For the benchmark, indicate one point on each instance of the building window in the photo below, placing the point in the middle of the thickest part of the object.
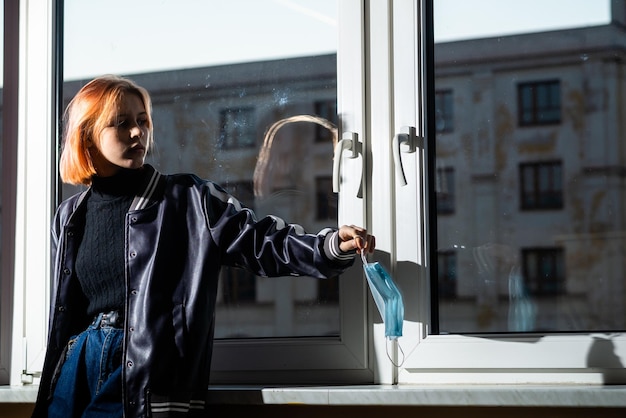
(328, 290)
(539, 103)
(325, 199)
(326, 109)
(326, 204)
(445, 192)
(446, 274)
(444, 111)
(238, 286)
(242, 191)
(541, 186)
(543, 270)
(237, 128)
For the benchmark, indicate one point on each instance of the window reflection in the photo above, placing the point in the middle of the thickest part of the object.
(444, 189)
(444, 111)
(237, 128)
(212, 110)
(541, 185)
(536, 238)
(539, 102)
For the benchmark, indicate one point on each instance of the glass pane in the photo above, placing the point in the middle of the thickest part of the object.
(222, 75)
(548, 257)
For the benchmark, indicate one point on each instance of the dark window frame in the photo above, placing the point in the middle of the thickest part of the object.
(242, 190)
(326, 109)
(238, 286)
(445, 191)
(444, 111)
(237, 134)
(326, 201)
(539, 103)
(328, 290)
(538, 196)
(550, 282)
(447, 279)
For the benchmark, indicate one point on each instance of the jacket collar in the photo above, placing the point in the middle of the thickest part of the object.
(152, 186)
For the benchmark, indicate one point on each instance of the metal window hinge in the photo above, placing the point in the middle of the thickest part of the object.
(27, 376)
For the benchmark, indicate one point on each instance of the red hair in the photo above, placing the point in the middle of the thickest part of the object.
(86, 116)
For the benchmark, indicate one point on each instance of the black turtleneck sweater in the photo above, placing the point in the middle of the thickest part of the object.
(100, 258)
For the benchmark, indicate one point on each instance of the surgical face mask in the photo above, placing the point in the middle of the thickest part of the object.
(387, 297)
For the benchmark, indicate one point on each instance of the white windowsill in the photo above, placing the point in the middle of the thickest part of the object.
(18, 394)
(408, 395)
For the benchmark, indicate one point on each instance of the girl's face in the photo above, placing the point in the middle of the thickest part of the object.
(123, 142)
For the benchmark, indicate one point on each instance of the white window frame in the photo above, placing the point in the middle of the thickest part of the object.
(328, 360)
(9, 152)
(549, 358)
(382, 82)
(36, 129)
(321, 360)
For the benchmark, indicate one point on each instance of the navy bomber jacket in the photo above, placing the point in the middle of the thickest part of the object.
(178, 233)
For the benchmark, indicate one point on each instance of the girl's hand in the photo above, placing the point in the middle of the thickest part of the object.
(356, 238)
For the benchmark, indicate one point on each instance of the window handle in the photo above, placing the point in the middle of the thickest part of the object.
(348, 141)
(407, 136)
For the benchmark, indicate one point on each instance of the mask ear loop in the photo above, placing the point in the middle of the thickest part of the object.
(363, 258)
(399, 348)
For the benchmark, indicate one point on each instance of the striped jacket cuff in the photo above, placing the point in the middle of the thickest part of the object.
(332, 250)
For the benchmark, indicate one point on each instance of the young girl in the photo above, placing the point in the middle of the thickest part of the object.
(136, 264)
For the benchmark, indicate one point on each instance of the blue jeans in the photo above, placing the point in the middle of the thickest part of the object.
(90, 382)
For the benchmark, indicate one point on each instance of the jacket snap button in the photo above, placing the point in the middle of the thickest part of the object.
(129, 363)
(66, 271)
(133, 292)
(133, 254)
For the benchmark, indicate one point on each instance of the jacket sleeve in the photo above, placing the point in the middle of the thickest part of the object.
(270, 246)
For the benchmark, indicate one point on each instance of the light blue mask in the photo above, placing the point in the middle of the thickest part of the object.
(387, 297)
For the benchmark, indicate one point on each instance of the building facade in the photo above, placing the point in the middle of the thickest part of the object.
(530, 177)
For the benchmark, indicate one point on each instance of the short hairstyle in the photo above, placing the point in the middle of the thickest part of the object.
(87, 114)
